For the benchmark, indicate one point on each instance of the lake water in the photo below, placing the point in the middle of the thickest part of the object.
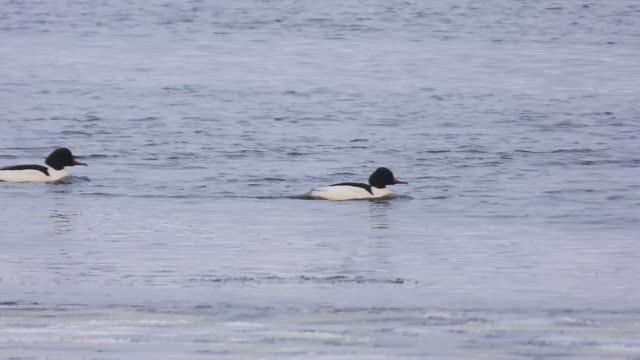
(515, 124)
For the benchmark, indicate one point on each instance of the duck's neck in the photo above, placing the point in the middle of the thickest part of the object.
(377, 192)
(57, 174)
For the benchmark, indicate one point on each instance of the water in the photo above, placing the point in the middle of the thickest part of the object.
(515, 125)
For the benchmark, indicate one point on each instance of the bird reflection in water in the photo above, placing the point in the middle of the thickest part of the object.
(379, 214)
(61, 221)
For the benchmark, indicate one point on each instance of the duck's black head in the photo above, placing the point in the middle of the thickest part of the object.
(383, 177)
(60, 158)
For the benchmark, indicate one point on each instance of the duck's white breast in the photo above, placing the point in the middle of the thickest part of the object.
(31, 175)
(346, 192)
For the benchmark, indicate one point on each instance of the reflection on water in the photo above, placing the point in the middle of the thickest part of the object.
(61, 221)
(378, 213)
(231, 330)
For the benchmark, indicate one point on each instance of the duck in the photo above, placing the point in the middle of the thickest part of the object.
(53, 171)
(375, 189)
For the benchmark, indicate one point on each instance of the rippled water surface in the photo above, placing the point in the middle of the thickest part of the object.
(515, 124)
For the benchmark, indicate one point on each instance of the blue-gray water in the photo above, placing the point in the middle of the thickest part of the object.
(515, 124)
